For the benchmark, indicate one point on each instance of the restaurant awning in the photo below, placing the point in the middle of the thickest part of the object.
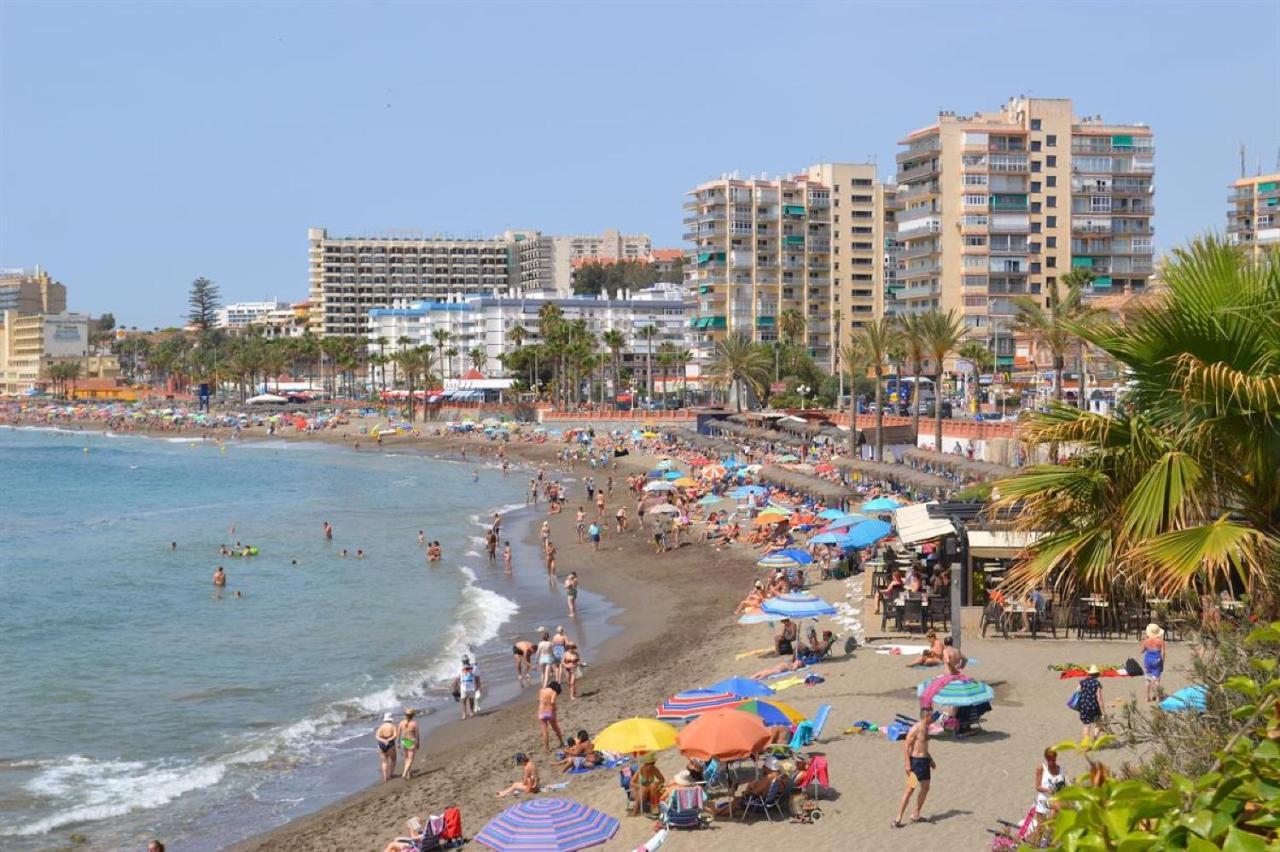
(914, 524)
(999, 544)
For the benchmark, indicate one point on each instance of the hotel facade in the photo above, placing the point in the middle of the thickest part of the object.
(1253, 214)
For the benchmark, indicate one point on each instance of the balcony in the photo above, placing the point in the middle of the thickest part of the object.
(1010, 204)
(823, 246)
(911, 228)
(927, 268)
(917, 291)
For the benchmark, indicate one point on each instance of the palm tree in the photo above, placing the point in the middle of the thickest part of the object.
(791, 325)
(615, 340)
(551, 328)
(872, 345)
(683, 358)
(441, 337)
(942, 334)
(1050, 327)
(911, 334)
(478, 358)
(402, 343)
(980, 359)
(382, 358)
(648, 333)
(738, 360)
(1180, 489)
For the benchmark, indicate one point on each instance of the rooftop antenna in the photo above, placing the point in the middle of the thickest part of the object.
(1242, 167)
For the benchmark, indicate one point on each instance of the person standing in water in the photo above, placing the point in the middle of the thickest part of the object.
(386, 737)
(571, 592)
(408, 731)
(506, 557)
(219, 577)
(328, 531)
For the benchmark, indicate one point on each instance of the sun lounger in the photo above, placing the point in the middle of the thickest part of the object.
(654, 842)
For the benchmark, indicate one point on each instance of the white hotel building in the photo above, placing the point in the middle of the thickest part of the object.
(485, 322)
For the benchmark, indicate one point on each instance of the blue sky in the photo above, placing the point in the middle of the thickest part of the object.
(142, 145)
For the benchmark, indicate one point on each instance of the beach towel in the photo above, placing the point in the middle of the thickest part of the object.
(1070, 673)
(757, 652)
(816, 773)
(909, 650)
(787, 683)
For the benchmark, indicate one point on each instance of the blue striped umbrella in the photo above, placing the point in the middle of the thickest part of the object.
(959, 693)
(797, 605)
(743, 687)
(866, 533)
(775, 561)
(547, 825)
(693, 703)
(881, 504)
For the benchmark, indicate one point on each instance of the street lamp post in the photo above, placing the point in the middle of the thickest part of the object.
(803, 390)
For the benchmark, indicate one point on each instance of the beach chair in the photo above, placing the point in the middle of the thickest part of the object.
(913, 614)
(684, 809)
(770, 801)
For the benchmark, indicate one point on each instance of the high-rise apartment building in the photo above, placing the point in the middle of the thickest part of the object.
(1001, 204)
(547, 261)
(1253, 213)
(31, 343)
(763, 246)
(31, 292)
(352, 275)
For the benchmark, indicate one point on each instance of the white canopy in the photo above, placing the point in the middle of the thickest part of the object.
(266, 399)
(999, 544)
(914, 524)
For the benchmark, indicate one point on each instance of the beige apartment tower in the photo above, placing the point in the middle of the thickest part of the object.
(1000, 204)
(809, 242)
(1253, 214)
(31, 292)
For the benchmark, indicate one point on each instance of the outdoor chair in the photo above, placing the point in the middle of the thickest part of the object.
(993, 614)
(684, 809)
(913, 614)
(1045, 621)
(939, 612)
(771, 801)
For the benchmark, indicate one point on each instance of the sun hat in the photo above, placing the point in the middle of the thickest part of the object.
(683, 778)
(1093, 670)
(771, 763)
(1154, 630)
(650, 758)
(387, 717)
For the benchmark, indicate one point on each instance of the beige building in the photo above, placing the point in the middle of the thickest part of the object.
(31, 292)
(1253, 213)
(547, 262)
(32, 343)
(352, 275)
(1000, 204)
(811, 242)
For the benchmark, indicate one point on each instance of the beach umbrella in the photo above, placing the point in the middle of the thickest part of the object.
(844, 522)
(837, 538)
(723, 735)
(654, 474)
(666, 464)
(959, 693)
(768, 519)
(685, 482)
(713, 471)
(743, 687)
(636, 736)
(663, 509)
(1187, 698)
(775, 561)
(786, 458)
(881, 504)
(659, 485)
(772, 712)
(547, 825)
(823, 468)
(795, 554)
(756, 617)
(711, 499)
(831, 514)
(694, 702)
(866, 533)
(797, 605)
(673, 475)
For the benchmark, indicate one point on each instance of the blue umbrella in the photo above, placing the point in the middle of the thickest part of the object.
(881, 504)
(795, 554)
(654, 474)
(744, 491)
(846, 521)
(742, 686)
(867, 533)
(547, 825)
(1187, 698)
(673, 475)
(830, 514)
(830, 538)
(711, 499)
(797, 605)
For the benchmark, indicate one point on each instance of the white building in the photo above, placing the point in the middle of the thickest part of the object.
(485, 322)
(237, 315)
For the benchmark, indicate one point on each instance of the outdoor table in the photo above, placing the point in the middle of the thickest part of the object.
(1029, 618)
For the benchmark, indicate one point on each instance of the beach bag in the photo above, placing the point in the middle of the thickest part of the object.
(1132, 668)
(1074, 701)
(452, 825)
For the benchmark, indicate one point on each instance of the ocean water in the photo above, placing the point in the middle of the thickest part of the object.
(137, 702)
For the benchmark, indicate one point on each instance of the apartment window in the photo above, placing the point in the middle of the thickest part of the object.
(1051, 221)
(1033, 248)
(1035, 165)
(1051, 262)
(975, 240)
(1051, 161)
(1051, 141)
(975, 180)
(1051, 242)
(1035, 186)
(971, 200)
(1051, 180)
(1051, 201)
(1035, 207)
(836, 219)
(1035, 227)
(1035, 267)
(1035, 144)
(1035, 124)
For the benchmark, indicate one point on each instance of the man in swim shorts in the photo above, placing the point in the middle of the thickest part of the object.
(919, 766)
(523, 651)
(219, 577)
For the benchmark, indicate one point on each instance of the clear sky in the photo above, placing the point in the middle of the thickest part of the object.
(142, 145)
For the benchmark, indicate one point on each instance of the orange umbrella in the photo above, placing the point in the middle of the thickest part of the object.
(768, 519)
(723, 735)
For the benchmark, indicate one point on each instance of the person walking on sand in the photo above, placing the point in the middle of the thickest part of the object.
(506, 557)
(919, 767)
(468, 689)
(386, 737)
(1090, 704)
(599, 505)
(581, 524)
(408, 731)
(571, 592)
(547, 715)
(1153, 659)
(1049, 782)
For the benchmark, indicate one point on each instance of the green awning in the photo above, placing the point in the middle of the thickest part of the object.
(1102, 282)
(704, 289)
(1268, 186)
(704, 256)
(765, 322)
(793, 209)
(717, 322)
(793, 241)
(1122, 140)
(1082, 263)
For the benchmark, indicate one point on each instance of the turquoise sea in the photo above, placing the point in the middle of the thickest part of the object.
(138, 703)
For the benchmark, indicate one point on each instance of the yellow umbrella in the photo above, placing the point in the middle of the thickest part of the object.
(765, 707)
(685, 482)
(636, 736)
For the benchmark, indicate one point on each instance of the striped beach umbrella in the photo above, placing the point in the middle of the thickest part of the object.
(958, 693)
(666, 464)
(797, 605)
(743, 687)
(547, 825)
(694, 702)
(713, 471)
(772, 712)
(776, 561)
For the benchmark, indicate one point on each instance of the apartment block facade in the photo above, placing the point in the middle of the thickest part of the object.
(547, 261)
(811, 242)
(1253, 213)
(1002, 204)
(31, 291)
(238, 315)
(31, 343)
(352, 275)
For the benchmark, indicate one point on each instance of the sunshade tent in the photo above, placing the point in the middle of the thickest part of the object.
(797, 605)
(694, 702)
(958, 693)
(547, 825)
(723, 735)
(636, 736)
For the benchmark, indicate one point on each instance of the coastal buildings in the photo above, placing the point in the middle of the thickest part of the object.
(31, 343)
(547, 261)
(1000, 204)
(808, 245)
(1253, 213)
(238, 315)
(485, 322)
(31, 292)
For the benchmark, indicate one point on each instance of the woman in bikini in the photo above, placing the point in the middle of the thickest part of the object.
(408, 730)
(386, 737)
(570, 663)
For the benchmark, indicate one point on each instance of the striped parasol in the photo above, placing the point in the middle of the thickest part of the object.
(774, 561)
(772, 712)
(797, 605)
(693, 703)
(547, 825)
(959, 693)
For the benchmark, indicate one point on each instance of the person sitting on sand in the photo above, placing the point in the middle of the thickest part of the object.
(784, 666)
(646, 786)
(753, 599)
(932, 655)
(528, 783)
(581, 754)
